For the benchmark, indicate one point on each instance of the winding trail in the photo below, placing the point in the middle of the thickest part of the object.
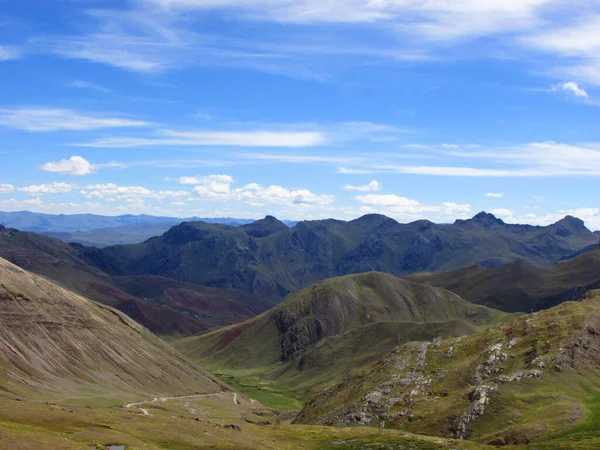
(155, 400)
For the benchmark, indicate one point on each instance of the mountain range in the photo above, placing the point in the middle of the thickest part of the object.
(101, 231)
(270, 260)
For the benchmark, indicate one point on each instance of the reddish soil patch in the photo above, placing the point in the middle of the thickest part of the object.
(233, 334)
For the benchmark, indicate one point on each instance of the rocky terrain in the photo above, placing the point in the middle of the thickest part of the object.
(516, 383)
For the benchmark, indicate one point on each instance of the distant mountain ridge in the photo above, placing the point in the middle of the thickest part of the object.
(100, 231)
(270, 260)
(521, 286)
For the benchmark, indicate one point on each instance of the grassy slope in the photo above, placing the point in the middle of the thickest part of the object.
(172, 425)
(556, 353)
(519, 286)
(320, 334)
(54, 343)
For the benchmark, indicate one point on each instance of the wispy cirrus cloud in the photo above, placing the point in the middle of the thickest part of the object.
(259, 135)
(159, 35)
(255, 138)
(38, 119)
(537, 159)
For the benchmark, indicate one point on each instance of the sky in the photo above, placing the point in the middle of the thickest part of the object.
(303, 109)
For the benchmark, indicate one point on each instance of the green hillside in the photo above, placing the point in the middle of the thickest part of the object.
(535, 378)
(321, 333)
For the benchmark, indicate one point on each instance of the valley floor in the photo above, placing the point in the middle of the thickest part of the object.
(218, 421)
(178, 424)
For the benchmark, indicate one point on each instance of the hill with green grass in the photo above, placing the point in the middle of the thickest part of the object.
(271, 260)
(535, 378)
(520, 286)
(321, 333)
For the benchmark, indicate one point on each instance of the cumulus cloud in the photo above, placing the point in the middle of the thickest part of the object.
(570, 87)
(219, 187)
(52, 188)
(112, 192)
(75, 165)
(495, 195)
(51, 119)
(208, 179)
(404, 208)
(6, 188)
(373, 186)
(257, 195)
(507, 215)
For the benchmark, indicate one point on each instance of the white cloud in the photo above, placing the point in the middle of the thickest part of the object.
(353, 171)
(75, 165)
(211, 187)
(208, 179)
(158, 35)
(373, 186)
(403, 208)
(495, 195)
(49, 119)
(257, 195)
(434, 19)
(257, 138)
(113, 191)
(460, 171)
(577, 42)
(6, 188)
(219, 187)
(537, 159)
(300, 159)
(507, 215)
(132, 194)
(52, 188)
(571, 87)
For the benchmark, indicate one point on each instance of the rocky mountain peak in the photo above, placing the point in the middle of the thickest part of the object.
(572, 223)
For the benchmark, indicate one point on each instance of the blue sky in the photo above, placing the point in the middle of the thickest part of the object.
(303, 109)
